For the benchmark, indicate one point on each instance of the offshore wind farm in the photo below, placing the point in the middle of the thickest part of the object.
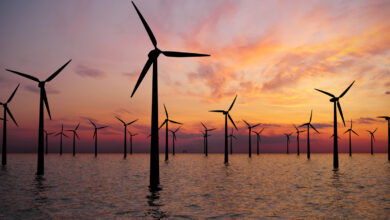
(201, 164)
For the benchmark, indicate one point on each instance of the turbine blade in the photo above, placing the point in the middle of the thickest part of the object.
(120, 120)
(175, 122)
(311, 115)
(230, 118)
(211, 129)
(177, 129)
(102, 127)
(57, 72)
(12, 117)
(342, 94)
(92, 123)
(261, 131)
(217, 111)
(314, 128)
(354, 132)
(77, 126)
(231, 106)
(65, 135)
(246, 123)
(46, 102)
(142, 75)
(166, 112)
(165, 121)
(150, 33)
(326, 93)
(256, 125)
(132, 122)
(385, 117)
(346, 131)
(12, 95)
(24, 75)
(183, 54)
(204, 125)
(295, 127)
(341, 112)
(77, 135)
(374, 130)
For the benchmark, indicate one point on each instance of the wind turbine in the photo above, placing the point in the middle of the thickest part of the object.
(6, 111)
(43, 99)
(308, 133)
(95, 134)
(131, 141)
(388, 134)
(166, 121)
(298, 132)
(231, 136)
(173, 139)
(47, 140)
(206, 130)
(336, 102)
(250, 135)
(350, 131)
(372, 139)
(74, 137)
(258, 139)
(204, 141)
(226, 113)
(125, 132)
(153, 55)
(288, 141)
(61, 133)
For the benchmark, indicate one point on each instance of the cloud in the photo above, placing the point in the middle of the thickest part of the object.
(35, 89)
(367, 120)
(85, 71)
(387, 92)
(322, 125)
(131, 75)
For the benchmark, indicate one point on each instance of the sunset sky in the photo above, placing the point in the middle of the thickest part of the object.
(272, 54)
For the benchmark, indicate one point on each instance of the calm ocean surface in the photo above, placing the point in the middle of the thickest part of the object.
(196, 187)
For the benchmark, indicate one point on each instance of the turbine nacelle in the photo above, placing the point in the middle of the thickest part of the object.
(153, 54)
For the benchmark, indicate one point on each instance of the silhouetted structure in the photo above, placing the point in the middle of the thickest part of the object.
(372, 140)
(206, 145)
(153, 55)
(47, 140)
(204, 142)
(298, 132)
(43, 99)
(288, 141)
(166, 122)
(61, 133)
(173, 139)
(74, 131)
(388, 135)
(6, 111)
(231, 136)
(226, 113)
(336, 101)
(350, 144)
(250, 137)
(95, 134)
(308, 133)
(258, 139)
(131, 141)
(125, 134)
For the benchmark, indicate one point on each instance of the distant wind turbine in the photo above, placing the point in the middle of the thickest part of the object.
(47, 140)
(61, 133)
(166, 122)
(308, 133)
(250, 137)
(131, 141)
(372, 140)
(95, 134)
(298, 132)
(258, 135)
(125, 132)
(204, 142)
(336, 102)
(231, 136)
(173, 139)
(206, 145)
(226, 113)
(43, 99)
(74, 131)
(6, 111)
(153, 55)
(350, 132)
(387, 118)
(288, 141)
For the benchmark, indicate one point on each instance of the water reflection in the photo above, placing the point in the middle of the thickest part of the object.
(155, 204)
(40, 189)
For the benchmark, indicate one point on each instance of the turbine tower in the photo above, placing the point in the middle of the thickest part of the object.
(153, 55)
(387, 118)
(298, 132)
(95, 134)
(173, 139)
(372, 140)
(61, 133)
(336, 102)
(206, 145)
(125, 132)
(42, 100)
(288, 141)
(47, 140)
(131, 141)
(250, 136)
(166, 121)
(350, 132)
(74, 138)
(258, 135)
(227, 115)
(308, 133)
(231, 136)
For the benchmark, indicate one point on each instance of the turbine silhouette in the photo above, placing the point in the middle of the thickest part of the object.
(204, 141)
(288, 141)
(227, 115)
(350, 131)
(131, 141)
(258, 133)
(308, 133)
(231, 136)
(47, 140)
(336, 102)
(43, 100)
(6, 111)
(74, 131)
(387, 118)
(372, 140)
(206, 146)
(298, 132)
(166, 121)
(153, 55)
(61, 133)
(250, 137)
(173, 139)
(95, 134)
(125, 132)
